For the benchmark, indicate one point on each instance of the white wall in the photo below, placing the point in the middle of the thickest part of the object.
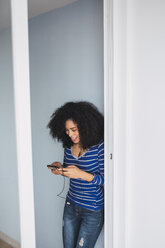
(66, 63)
(145, 218)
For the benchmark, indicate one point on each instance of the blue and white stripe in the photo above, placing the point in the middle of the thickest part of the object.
(89, 195)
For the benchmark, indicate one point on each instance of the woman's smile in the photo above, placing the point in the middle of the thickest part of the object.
(74, 139)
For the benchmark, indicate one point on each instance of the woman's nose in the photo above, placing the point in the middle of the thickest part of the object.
(70, 133)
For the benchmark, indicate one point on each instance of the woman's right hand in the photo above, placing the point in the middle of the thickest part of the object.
(56, 171)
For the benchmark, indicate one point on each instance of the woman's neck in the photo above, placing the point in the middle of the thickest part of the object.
(77, 150)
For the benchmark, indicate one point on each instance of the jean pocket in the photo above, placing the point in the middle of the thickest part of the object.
(68, 206)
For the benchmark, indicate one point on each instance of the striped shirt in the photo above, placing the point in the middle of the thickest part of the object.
(86, 194)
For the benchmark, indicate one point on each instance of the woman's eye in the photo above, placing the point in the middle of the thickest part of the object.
(73, 130)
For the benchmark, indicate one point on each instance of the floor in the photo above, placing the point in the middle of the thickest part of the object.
(4, 244)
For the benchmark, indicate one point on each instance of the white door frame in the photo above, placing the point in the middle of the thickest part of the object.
(114, 89)
(19, 13)
(108, 116)
(119, 17)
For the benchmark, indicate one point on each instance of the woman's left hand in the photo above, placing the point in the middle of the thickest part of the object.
(72, 171)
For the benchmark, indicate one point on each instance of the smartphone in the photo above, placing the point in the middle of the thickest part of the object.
(53, 166)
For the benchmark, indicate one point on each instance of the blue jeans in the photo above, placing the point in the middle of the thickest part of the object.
(81, 226)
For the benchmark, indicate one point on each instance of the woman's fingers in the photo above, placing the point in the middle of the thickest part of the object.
(57, 164)
(70, 171)
(69, 167)
(57, 171)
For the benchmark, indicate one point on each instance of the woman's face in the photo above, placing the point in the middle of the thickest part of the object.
(72, 131)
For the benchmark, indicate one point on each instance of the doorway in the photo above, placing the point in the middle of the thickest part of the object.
(107, 112)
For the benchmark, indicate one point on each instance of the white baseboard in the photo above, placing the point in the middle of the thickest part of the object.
(9, 240)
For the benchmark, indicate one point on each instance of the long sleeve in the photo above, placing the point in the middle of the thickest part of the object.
(99, 176)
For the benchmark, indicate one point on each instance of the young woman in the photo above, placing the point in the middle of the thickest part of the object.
(80, 127)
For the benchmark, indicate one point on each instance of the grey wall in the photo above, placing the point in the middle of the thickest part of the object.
(66, 63)
(9, 207)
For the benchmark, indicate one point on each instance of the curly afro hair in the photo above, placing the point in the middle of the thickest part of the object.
(89, 120)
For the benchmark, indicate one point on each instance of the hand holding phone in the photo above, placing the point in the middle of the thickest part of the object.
(51, 166)
(56, 168)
